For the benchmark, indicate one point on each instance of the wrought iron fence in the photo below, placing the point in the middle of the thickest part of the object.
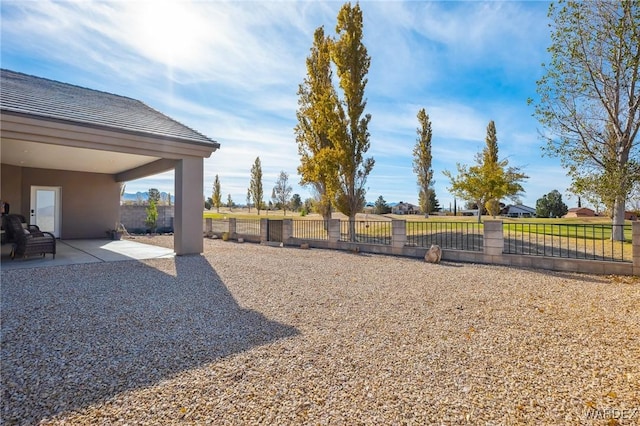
(248, 226)
(274, 230)
(311, 229)
(448, 235)
(366, 231)
(573, 241)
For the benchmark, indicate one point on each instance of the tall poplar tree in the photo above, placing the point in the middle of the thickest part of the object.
(352, 142)
(255, 184)
(492, 172)
(422, 159)
(318, 124)
(590, 99)
(216, 196)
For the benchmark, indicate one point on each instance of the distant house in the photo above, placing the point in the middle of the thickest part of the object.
(468, 212)
(580, 212)
(405, 208)
(518, 210)
(630, 216)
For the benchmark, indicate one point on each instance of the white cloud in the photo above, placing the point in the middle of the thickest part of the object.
(231, 71)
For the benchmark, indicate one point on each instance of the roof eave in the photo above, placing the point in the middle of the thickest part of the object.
(210, 143)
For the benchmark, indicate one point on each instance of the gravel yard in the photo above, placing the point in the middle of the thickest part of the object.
(249, 334)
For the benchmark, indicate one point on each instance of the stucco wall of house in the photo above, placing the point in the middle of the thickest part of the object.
(10, 184)
(90, 202)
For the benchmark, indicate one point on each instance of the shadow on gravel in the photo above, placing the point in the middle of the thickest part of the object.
(79, 335)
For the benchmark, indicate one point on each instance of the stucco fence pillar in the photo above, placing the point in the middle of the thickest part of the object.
(208, 227)
(334, 233)
(264, 231)
(635, 248)
(493, 241)
(287, 230)
(398, 235)
(232, 228)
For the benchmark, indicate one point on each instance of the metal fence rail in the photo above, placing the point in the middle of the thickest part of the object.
(573, 241)
(311, 229)
(248, 226)
(367, 231)
(448, 235)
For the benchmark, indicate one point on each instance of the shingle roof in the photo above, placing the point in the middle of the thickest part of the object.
(50, 99)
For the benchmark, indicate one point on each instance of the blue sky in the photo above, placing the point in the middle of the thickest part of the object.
(231, 70)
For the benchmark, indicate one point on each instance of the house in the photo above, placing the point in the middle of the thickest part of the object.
(468, 212)
(580, 212)
(518, 210)
(405, 208)
(66, 151)
(630, 215)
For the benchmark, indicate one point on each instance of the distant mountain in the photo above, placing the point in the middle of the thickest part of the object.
(144, 196)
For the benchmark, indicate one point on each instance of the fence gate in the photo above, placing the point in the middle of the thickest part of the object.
(274, 230)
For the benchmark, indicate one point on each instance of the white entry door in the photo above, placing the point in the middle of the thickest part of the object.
(45, 208)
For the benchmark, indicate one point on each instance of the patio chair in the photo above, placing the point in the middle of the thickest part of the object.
(8, 236)
(28, 240)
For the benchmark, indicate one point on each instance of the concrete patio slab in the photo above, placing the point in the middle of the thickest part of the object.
(71, 252)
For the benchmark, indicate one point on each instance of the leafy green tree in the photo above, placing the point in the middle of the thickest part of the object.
(493, 207)
(208, 203)
(551, 205)
(230, 202)
(422, 159)
(249, 199)
(152, 215)
(381, 206)
(309, 205)
(216, 196)
(296, 202)
(433, 201)
(255, 185)
(589, 99)
(489, 180)
(283, 190)
(318, 118)
(352, 140)
(153, 194)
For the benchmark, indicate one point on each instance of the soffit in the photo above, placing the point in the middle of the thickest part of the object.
(47, 156)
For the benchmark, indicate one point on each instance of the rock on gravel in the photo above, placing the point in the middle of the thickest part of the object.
(249, 334)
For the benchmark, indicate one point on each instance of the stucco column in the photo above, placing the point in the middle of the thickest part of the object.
(493, 237)
(333, 233)
(287, 230)
(189, 176)
(398, 233)
(635, 246)
(232, 228)
(264, 231)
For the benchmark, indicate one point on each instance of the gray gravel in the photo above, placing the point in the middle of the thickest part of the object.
(248, 334)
